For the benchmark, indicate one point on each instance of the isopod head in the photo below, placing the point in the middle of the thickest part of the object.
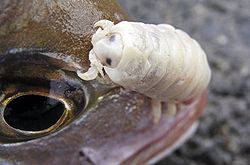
(109, 50)
(106, 52)
(113, 51)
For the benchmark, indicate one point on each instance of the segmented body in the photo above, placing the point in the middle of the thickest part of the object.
(157, 60)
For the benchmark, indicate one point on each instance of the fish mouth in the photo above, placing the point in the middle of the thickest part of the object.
(39, 94)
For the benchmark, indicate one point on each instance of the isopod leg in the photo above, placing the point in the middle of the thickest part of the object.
(91, 74)
(95, 68)
(104, 24)
(156, 108)
(104, 27)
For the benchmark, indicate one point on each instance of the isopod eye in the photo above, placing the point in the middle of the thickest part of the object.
(108, 61)
(109, 50)
(112, 38)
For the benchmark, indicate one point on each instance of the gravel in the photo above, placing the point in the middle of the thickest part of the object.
(223, 29)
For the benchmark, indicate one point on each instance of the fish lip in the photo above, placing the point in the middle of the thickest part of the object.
(183, 127)
(173, 147)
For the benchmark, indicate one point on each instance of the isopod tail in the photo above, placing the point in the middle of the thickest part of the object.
(179, 68)
(195, 74)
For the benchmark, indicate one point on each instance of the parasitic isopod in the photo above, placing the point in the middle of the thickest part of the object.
(159, 61)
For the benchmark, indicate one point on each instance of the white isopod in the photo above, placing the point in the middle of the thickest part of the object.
(159, 61)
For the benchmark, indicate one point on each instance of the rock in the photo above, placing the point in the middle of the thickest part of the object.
(222, 28)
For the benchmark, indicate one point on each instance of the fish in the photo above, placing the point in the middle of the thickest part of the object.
(47, 111)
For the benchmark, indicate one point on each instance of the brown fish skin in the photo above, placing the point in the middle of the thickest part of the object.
(60, 26)
(114, 126)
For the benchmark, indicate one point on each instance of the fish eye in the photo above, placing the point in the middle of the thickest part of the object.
(33, 105)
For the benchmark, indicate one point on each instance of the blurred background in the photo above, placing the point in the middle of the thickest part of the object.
(223, 29)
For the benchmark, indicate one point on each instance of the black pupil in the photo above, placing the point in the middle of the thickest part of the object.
(33, 113)
(108, 61)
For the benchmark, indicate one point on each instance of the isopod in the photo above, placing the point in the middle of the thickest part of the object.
(158, 61)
